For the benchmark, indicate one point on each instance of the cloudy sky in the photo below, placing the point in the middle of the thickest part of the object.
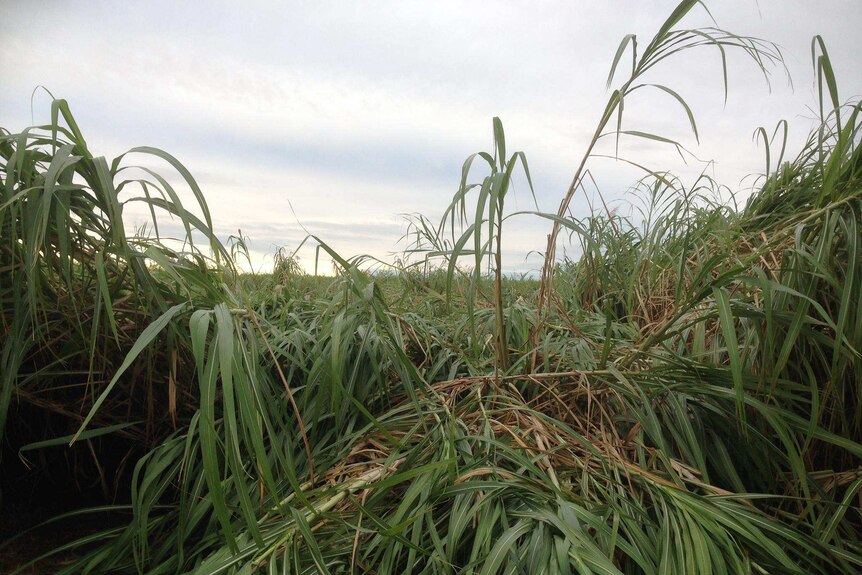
(340, 117)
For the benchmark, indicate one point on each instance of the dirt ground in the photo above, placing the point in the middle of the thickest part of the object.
(16, 519)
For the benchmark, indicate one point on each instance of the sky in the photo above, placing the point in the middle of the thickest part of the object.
(338, 118)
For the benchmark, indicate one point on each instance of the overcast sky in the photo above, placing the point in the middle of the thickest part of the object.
(355, 113)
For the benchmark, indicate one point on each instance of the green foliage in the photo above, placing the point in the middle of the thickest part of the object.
(77, 291)
(688, 404)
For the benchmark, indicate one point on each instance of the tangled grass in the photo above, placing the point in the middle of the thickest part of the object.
(681, 398)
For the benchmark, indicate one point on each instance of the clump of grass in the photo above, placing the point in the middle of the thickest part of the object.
(78, 292)
(689, 403)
